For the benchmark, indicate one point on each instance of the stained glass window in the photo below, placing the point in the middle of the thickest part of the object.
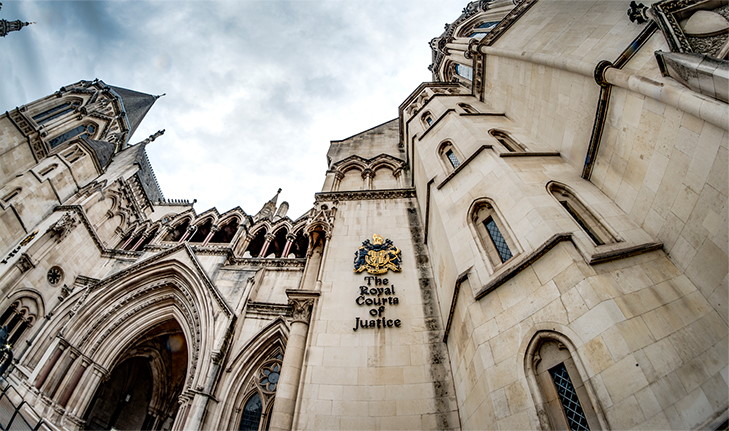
(568, 398)
(251, 414)
(55, 112)
(270, 375)
(498, 239)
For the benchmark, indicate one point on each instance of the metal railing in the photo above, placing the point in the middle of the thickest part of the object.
(20, 417)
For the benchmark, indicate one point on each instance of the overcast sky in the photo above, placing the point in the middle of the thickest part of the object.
(255, 89)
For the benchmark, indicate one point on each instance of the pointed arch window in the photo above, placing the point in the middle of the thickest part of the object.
(464, 71)
(507, 141)
(176, 233)
(427, 119)
(494, 237)
(468, 109)
(202, 231)
(481, 30)
(252, 412)
(256, 411)
(584, 218)
(450, 157)
(86, 130)
(226, 232)
(56, 111)
(18, 317)
(561, 392)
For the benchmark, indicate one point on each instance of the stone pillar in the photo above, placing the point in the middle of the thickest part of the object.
(282, 415)
(367, 175)
(80, 399)
(72, 382)
(185, 401)
(49, 365)
(187, 234)
(210, 235)
(51, 384)
(287, 248)
(264, 248)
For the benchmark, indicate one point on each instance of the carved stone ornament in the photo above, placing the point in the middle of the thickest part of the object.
(60, 229)
(24, 263)
(377, 257)
(301, 309)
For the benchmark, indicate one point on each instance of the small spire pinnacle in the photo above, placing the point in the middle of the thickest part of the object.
(151, 138)
(159, 95)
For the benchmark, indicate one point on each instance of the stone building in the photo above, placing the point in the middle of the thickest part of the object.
(537, 241)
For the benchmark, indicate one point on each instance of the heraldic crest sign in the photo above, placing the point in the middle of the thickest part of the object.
(377, 256)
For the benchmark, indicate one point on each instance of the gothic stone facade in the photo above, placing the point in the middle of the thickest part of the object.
(539, 240)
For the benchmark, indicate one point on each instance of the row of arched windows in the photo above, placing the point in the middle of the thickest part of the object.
(281, 243)
(498, 244)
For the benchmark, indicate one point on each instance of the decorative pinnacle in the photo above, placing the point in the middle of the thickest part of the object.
(159, 95)
(151, 138)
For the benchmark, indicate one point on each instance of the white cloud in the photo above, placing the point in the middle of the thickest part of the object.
(255, 90)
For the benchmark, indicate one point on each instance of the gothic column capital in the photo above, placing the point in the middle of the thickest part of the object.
(301, 302)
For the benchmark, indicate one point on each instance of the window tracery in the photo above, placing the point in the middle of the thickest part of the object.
(56, 111)
(256, 410)
(84, 130)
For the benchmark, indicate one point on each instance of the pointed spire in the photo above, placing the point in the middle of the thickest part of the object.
(8, 26)
(268, 209)
(151, 138)
(136, 105)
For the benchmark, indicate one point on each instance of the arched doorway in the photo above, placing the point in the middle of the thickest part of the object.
(143, 387)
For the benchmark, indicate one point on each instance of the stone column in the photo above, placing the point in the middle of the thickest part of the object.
(72, 382)
(80, 399)
(51, 384)
(287, 248)
(50, 364)
(264, 248)
(210, 235)
(367, 175)
(282, 415)
(185, 401)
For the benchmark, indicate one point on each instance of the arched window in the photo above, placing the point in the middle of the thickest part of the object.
(449, 156)
(78, 131)
(147, 239)
(581, 215)
(494, 238)
(507, 141)
(56, 111)
(427, 119)
(464, 71)
(468, 109)
(176, 233)
(226, 232)
(256, 245)
(561, 392)
(256, 411)
(130, 245)
(252, 412)
(202, 231)
(278, 244)
(300, 245)
(481, 30)
(19, 316)
(10, 195)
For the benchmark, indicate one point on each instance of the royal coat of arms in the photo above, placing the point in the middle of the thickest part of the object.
(377, 256)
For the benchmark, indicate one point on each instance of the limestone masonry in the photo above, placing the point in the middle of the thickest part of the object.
(537, 241)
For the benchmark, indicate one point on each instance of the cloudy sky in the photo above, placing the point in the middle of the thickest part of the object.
(255, 89)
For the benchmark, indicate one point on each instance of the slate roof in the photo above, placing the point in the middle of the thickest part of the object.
(136, 105)
(103, 150)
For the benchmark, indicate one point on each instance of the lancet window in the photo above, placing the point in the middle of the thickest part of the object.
(256, 410)
(507, 141)
(495, 239)
(256, 245)
(562, 393)
(77, 132)
(481, 30)
(449, 156)
(468, 109)
(56, 111)
(202, 231)
(18, 317)
(176, 233)
(427, 119)
(226, 232)
(581, 215)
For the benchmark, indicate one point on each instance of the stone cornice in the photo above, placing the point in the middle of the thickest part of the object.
(297, 263)
(269, 308)
(362, 195)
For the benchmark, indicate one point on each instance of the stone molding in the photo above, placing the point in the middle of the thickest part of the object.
(301, 303)
(269, 308)
(363, 195)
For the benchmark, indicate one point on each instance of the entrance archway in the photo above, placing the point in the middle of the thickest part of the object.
(143, 387)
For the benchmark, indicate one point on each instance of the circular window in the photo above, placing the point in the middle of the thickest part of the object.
(269, 376)
(55, 275)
